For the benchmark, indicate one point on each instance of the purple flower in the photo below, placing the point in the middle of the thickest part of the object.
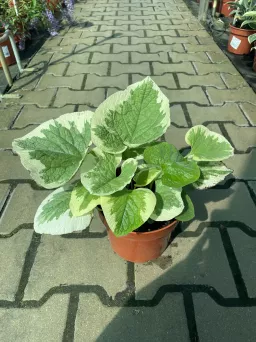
(53, 23)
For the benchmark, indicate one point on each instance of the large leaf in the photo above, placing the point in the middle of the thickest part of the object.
(252, 38)
(131, 118)
(168, 202)
(207, 145)
(181, 173)
(211, 174)
(53, 151)
(188, 212)
(54, 216)
(102, 179)
(147, 173)
(127, 210)
(81, 201)
(161, 153)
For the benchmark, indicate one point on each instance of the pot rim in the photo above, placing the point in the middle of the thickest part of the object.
(240, 29)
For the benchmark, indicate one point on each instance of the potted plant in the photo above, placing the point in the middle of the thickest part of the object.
(242, 27)
(137, 183)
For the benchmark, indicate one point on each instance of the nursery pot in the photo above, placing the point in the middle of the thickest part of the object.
(140, 247)
(8, 52)
(238, 40)
(224, 8)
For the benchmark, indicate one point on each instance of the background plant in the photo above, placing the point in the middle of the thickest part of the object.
(244, 12)
(130, 174)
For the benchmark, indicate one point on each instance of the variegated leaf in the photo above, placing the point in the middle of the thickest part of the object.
(82, 202)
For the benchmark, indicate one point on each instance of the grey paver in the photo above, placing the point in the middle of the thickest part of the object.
(205, 69)
(6, 137)
(70, 58)
(82, 48)
(50, 81)
(91, 98)
(40, 98)
(10, 167)
(243, 165)
(166, 48)
(120, 48)
(195, 259)
(47, 321)
(94, 81)
(250, 112)
(190, 57)
(12, 256)
(228, 112)
(218, 97)
(234, 81)
(57, 258)
(57, 69)
(106, 325)
(105, 57)
(245, 249)
(30, 114)
(119, 68)
(152, 57)
(218, 57)
(21, 207)
(162, 81)
(98, 69)
(222, 322)
(213, 80)
(194, 94)
(4, 190)
(243, 138)
(189, 47)
(161, 68)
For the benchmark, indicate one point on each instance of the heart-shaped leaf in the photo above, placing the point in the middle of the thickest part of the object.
(207, 145)
(161, 153)
(54, 151)
(146, 174)
(54, 216)
(82, 202)
(131, 118)
(188, 212)
(127, 210)
(168, 202)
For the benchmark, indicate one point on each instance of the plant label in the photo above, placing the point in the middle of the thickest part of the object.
(235, 42)
(6, 51)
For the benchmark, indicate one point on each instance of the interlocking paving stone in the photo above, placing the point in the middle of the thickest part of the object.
(162, 81)
(218, 97)
(224, 205)
(196, 259)
(40, 98)
(250, 112)
(228, 112)
(46, 322)
(218, 323)
(213, 80)
(234, 81)
(145, 40)
(10, 167)
(105, 57)
(4, 190)
(194, 94)
(12, 257)
(161, 68)
(243, 165)
(8, 113)
(30, 114)
(21, 207)
(70, 58)
(7, 137)
(60, 258)
(191, 57)
(94, 81)
(50, 81)
(69, 41)
(245, 249)
(197, 48)
(103, 323)
(177, 116)
(218, 57)
(119, 68)
(27, 81)
(205, 69)
(193, 33)
(171, 33)
(253, 186)
(98, 69)
(242, 137)
(139, 48)
(91, 98)
(166, 48)
(81, 48)
(152, 57)
(61, 49)
(57, 69)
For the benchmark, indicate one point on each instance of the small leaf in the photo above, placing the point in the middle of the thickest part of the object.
(188, 213)
(207, 145)
(127, 210)
(211, 174)
(168, 202)
(102, 179)
(54, 216)
(131, 118)
(54, 151)
(82, 202)
(147, 174)
(181, 173)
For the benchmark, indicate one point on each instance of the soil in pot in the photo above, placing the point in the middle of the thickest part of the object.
(238, 40)
(146, 243)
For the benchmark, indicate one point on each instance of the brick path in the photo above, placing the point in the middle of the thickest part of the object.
(73, 287)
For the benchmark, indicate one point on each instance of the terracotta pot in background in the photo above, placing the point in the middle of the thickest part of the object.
(238, 40)
(224, 8)
(8, 52)
(140, 247)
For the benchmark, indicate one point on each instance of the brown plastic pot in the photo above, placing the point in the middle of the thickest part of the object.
(224, 8)
(238, 40)
(8, 52)
(140, 247)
